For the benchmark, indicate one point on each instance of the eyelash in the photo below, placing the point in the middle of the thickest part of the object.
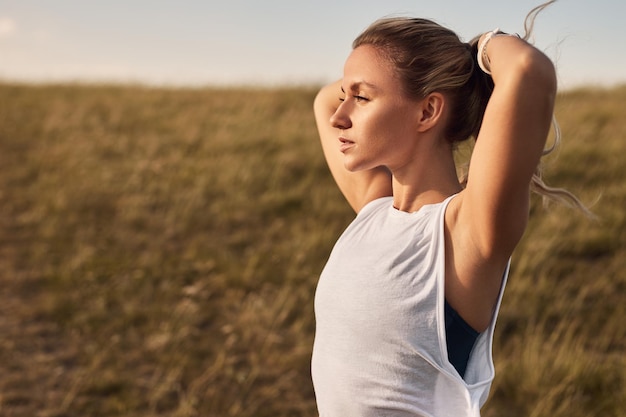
(357, 98)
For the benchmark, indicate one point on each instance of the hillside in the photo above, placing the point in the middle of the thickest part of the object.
(159, 251)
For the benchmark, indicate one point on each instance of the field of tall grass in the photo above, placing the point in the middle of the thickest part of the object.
(159, 251)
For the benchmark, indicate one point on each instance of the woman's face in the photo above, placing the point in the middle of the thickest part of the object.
(377, 121)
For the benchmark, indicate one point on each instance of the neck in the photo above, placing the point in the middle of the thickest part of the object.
(426, 180)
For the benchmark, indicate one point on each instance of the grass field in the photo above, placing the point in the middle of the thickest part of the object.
(159, 251)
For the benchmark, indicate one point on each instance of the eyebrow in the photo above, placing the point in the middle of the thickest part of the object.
(355, 86)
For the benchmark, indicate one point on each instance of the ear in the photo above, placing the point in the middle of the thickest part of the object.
(431, 110)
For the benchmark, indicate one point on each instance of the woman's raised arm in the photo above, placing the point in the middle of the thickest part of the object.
(361, 187)
(509, 145)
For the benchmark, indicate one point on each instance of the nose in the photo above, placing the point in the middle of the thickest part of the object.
(340, 118)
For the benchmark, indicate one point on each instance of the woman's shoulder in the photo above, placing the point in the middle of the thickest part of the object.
(375, 205)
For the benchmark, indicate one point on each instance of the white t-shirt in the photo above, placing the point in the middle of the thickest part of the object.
(380, 345)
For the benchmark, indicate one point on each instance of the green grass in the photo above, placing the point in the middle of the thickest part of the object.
(159, 251)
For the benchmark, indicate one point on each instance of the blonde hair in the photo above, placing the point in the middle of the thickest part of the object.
(537, 184)
(431, 58)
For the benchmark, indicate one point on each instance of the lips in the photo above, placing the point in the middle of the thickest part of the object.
(345, 144)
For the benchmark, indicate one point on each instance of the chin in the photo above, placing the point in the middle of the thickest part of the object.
(352, 167)
(356, 166)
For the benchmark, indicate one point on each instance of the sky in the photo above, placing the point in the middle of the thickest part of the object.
(275, 42)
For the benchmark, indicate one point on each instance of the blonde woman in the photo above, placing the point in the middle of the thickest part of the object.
(406, 305)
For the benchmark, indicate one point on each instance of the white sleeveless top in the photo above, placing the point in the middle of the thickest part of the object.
(380, 342)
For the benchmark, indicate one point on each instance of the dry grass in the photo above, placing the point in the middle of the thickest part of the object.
(159, 251)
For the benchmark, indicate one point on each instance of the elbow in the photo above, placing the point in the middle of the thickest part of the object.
(318, 102)
(538, 72)
(546, 74)
(324, 103)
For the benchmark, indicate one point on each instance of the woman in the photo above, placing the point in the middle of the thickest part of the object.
(406, 305)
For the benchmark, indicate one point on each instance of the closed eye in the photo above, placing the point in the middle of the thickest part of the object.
(357, 98)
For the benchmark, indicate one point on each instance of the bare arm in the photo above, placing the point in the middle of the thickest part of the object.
(509, 145)
(361, 187)
(490, 215)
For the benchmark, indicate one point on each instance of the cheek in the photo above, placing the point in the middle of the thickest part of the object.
(392, 127)
(385, 127)
(381, 121)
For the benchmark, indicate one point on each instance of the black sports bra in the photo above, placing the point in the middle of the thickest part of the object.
(460, 339)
